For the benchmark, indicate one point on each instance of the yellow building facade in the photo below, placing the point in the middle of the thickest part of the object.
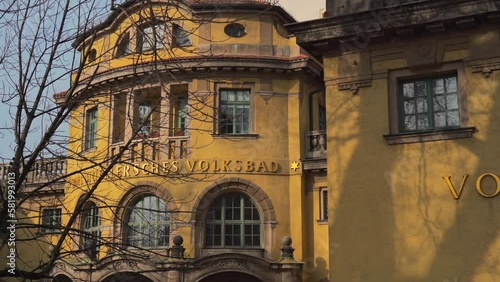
(413, 133)
(197, 149)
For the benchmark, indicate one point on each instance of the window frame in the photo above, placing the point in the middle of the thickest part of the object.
(88, 142)
(56, 214)
(429, 98)
(152, 97)
(242, 222)
(157, 224)
(234, 104)
(184, 34)
(397, 136)
(124, 44)
(159, 32)
(323, 204)
(90, 210)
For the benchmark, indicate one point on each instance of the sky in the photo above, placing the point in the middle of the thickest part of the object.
(302, 10)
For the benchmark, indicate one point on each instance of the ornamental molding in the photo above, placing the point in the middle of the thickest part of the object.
(486, 69)
(124, 264)
(354, 86)
(60, 266)
(229, 263)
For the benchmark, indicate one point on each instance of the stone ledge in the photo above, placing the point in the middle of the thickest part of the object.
(428, 136)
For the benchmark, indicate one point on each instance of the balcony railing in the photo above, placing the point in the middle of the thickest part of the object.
(153, 150)
(43, 171)
(316, 144)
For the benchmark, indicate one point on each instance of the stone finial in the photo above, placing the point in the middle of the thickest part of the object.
(177, 251)
(286, 249)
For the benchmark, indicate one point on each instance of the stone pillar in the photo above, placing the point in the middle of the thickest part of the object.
(289, 268)
(177, 255)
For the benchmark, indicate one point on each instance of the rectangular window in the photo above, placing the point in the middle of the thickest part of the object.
(147, 113)
(429, 104)
(323, 202)
(51, 220)
(151, 38)
(91, 128)
(181, 116)
(119, 112)
(234, 111)
(180, 37)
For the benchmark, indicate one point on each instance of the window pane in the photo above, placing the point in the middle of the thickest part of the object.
(408, 90)
(409, 107)
(422, 122)
(440, 119)
(453, 118)
(410, 123)
(452, 102)
(439, 103)
(438, 86)
(421, 105)
(451, 84)
(420, 88)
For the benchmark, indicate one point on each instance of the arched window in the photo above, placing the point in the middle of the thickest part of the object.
(148, 223)
(91, 229)
(232, 220)
(123, 47)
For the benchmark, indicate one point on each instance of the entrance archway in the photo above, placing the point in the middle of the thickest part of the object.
(230, 276)
(127, 277)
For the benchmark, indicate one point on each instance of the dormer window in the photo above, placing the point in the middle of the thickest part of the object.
(151, 37)
(180, 37)
(123, 46)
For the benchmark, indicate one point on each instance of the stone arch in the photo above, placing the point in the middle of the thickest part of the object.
(132, 193)
(240, 185)
(233, 275)
(258, 268)
(62, 278)
(127, 277)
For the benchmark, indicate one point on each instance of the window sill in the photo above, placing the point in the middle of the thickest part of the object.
(322, 221)
(235, 136)
(428, 136)
(89, 150)
(255, 252)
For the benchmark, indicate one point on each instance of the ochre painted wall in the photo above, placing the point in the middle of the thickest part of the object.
(393, 216)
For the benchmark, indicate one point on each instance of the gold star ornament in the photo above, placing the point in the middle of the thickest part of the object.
(294, 166)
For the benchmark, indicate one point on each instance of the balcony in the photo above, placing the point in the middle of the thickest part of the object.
(42, 172)
(153, 149)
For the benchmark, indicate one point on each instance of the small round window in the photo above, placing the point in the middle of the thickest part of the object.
(234, 30)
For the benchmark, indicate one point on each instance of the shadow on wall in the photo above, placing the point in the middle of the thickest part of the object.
(363, 226)
(316, 271)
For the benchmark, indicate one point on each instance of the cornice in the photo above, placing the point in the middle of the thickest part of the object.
(407, 19)
(209, 65)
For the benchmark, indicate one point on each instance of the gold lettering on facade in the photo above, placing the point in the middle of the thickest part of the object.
(454, 192)
(174, 168)
(191, 165)
(238, 167)
(250, 166)
(204, 166)
(479, 188)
